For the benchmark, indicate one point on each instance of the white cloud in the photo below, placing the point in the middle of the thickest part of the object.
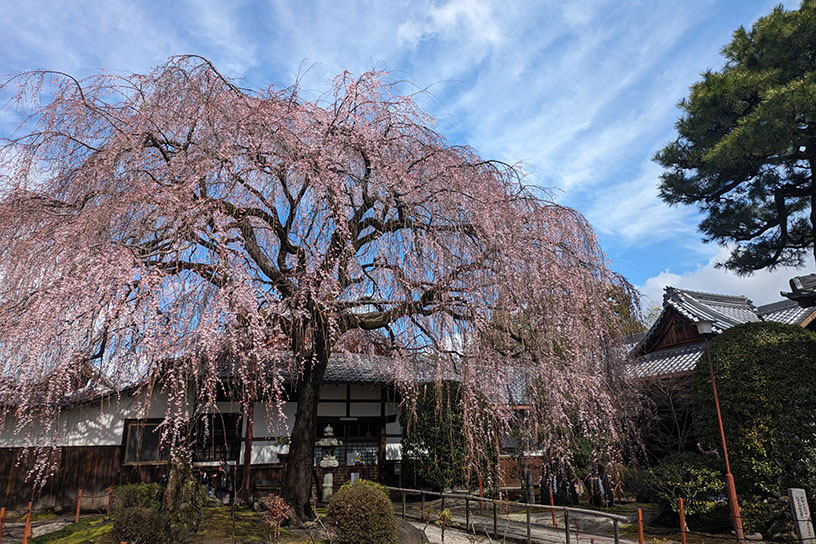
(468, 17)
(762, 287)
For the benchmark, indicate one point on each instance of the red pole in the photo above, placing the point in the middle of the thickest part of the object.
(729, 479)
(2, 515)
(640, 526)
(79, 502)
(27, 530)
(552, 503)
(682, 523)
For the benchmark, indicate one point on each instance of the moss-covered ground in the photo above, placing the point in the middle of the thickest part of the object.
(217, 528)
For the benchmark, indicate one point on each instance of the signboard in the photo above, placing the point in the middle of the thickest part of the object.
(801, 516)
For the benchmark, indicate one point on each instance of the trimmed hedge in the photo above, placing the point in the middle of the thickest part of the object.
(766, 379)
(362, 514)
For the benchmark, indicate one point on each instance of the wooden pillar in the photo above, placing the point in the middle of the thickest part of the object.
(566, 525)
(529, 528)
(640, 526)
(79, 503)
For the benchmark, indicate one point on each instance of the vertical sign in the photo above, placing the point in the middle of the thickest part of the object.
(801, 516)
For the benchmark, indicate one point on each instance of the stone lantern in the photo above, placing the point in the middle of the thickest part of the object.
(329, 462)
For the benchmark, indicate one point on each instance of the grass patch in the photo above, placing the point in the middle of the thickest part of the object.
(39, 516)
(217, 526)
(87, 531)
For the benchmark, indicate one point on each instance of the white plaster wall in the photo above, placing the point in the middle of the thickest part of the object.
(272, 426)
(99, 423)
(264, 452)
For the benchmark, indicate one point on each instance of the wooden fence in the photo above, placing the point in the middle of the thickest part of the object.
(504, 504)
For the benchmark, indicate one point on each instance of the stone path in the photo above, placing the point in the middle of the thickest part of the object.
(512, 525)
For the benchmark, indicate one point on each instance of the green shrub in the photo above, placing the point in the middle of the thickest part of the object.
(766, 376)
(136, 495)
(362, 514)
(639, 482)
(140, 525)
(375, 485)
(698, 480)
(137, 518)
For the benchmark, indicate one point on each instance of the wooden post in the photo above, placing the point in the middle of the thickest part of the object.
(566, 525)
(529, 529)
(617, 533)
(577, 532)
(495, 522)
(640, 526)
(423, 503)
(2, 515)
(481, 496)
(552, 503)
(27, 530)
(403, 504)
(467, 515)
(79, 503)
(682, 523)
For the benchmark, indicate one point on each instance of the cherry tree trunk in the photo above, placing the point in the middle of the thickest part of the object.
(297, 482)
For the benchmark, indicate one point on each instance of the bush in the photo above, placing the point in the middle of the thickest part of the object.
(375, 485)
(140, 525)
(137, 518)
(362, 514)
(766, 375)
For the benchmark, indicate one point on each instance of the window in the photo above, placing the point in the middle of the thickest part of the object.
(143, 443)
(217, 436)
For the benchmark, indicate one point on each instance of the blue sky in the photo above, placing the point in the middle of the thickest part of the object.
(582, 93)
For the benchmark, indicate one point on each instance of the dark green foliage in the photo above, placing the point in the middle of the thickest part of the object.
(434, 449)
(746, 150)
(147, 513)
(140, 525)
(133, 495)
(766, 378)
(362, 514)
(136, 514)
(184, 502)
(697, 479)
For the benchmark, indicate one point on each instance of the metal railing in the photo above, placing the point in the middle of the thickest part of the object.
(505, 504)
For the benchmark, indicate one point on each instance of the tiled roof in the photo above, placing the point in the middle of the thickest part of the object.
(784, 311)
(803, 290)
(354, 368)
(724, 310)
(667, 361)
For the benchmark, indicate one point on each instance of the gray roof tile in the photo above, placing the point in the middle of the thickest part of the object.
(667, 361)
